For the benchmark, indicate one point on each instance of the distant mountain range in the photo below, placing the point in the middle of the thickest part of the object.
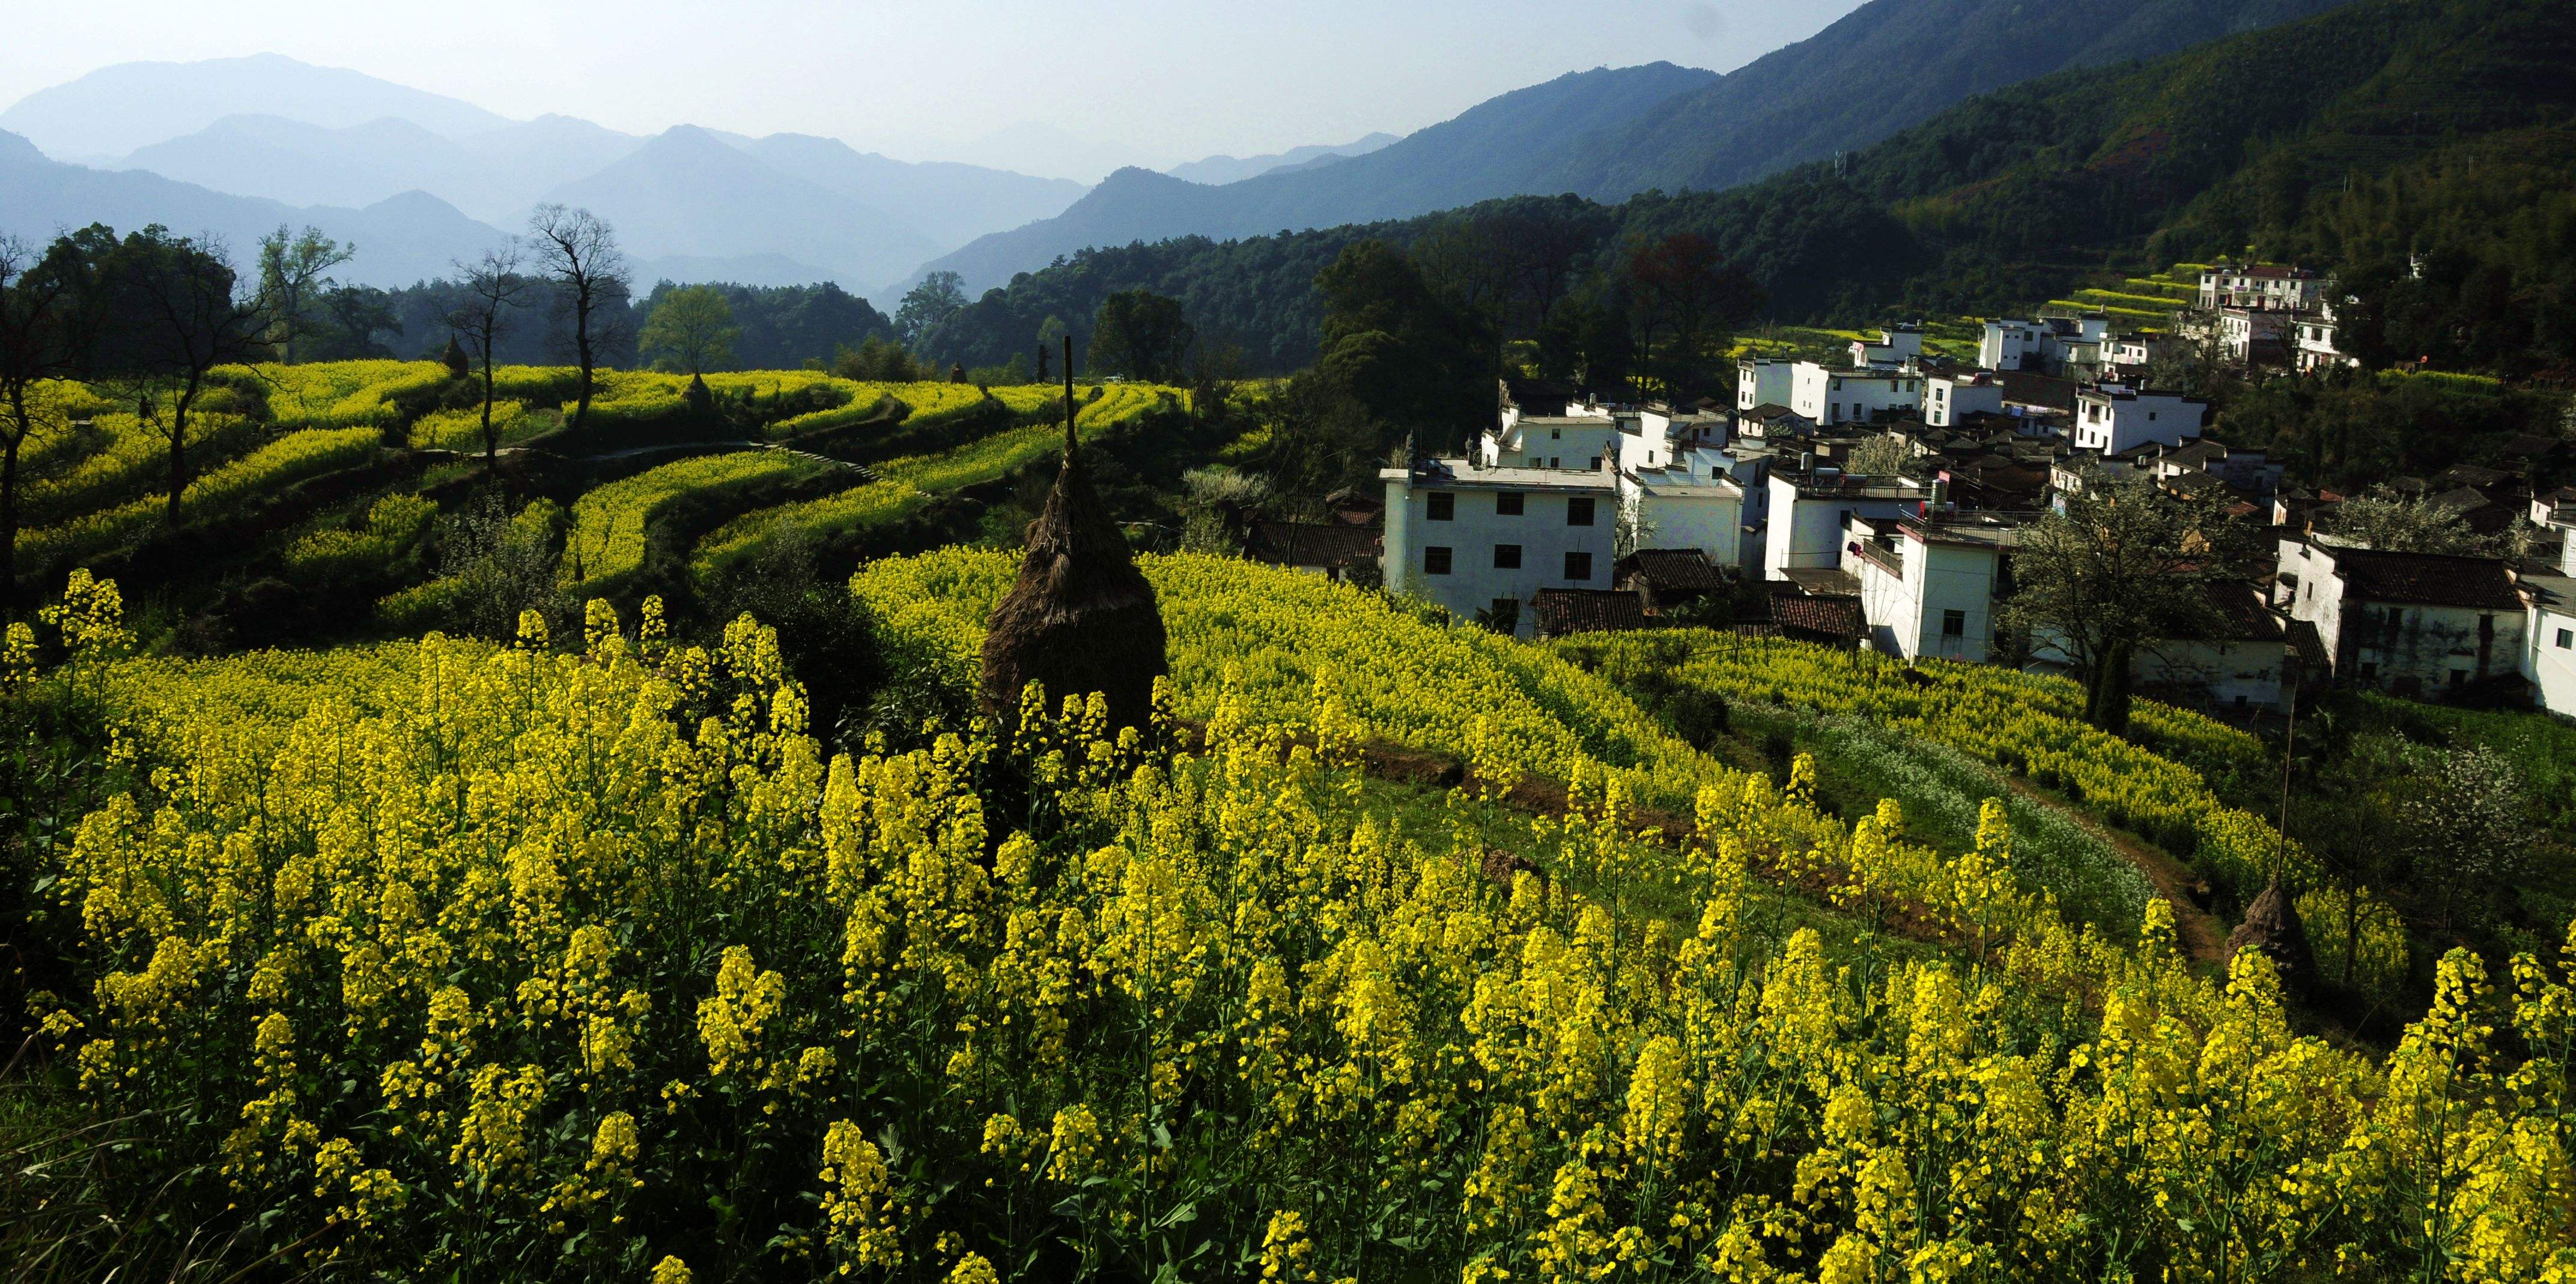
(1610, 134)
(114, 110)
(1501, 147)
(276, 136)
(1216, 170)
(785, 209)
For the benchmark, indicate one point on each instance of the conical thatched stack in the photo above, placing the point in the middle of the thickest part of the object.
(1081, 618)
(2272, 926)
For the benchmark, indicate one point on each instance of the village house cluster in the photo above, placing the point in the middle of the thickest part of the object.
(1572, 514)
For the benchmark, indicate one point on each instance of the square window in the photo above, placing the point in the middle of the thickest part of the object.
(1555, 433)
(1435, 560)
(1954, 624)
(1444, 506)
(2459, 677)
(1578, 512)
(1507, 557)
(2566, 639)
(1578, 566)
(1508, 503)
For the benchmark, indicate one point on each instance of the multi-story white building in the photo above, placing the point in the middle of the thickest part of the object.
(2247, 335)
(2550, 660)
(2115, 417)
(1895, 347)
(2043, 345)
(1803, 528)
(2412, 623)
(1829, 397)
(2259, 285)
(1473, 539)
(1929, 584)
(2128, 355)
(2313, 341)
(1948, 399)
(1692, 504)
(1580, 438)
(1763, 381)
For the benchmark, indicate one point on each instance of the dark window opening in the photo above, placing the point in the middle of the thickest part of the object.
(1507, 557)
(1578, 566)
(1578, 512)
(1435, 560)
(1508, 503)
(1954, 624)
(1444, 506)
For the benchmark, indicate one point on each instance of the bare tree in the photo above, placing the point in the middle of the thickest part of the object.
(36, 344)
(578, 250)
(496, 287)
(177, 316)
(292, 274)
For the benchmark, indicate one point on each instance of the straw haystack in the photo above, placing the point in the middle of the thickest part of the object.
(2272, 926)
(1081, 618)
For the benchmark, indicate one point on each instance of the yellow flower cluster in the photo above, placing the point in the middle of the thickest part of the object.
(1267, 1021)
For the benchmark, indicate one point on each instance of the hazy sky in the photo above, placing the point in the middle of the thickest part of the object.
(1173, 80)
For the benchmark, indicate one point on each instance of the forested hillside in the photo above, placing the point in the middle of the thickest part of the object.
(2349, 139)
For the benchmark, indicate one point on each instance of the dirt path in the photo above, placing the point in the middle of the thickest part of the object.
(2204, 935)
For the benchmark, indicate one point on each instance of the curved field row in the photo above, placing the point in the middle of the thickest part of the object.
(906, 484)
(290, 459)
(609, 521)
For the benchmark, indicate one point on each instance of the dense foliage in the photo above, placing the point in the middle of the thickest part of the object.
(2437, 127)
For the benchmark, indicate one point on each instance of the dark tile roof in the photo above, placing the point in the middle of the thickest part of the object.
(2426, 579)
(1311, 544)
(2032, 389)
(2526, 445)
(1672, 568)
(2460, 499)
(1834, 616)
(2238, 613)
(2472, 475)
(1557, 612)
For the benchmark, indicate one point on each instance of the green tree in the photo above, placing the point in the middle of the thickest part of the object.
(690, 331)
(294, 275)
(1142, 335)
(2123, 565)
(37, 343)
(1684, 301)
(169, 312)
(926, 306)
(2383, 519)
(1416, 362)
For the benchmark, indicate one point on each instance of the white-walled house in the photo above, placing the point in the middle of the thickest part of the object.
(1763, 381)
(1803, 530)
(2252, 334)
(2129, 355)
(1895, 347)
(2313, 341)
(1578, 440)
(1472, 538)
(1950, 398)
(1828, 397)
(1929, 585)
(2411, 623)
(2044, 344)
(2550, 660)
(2116, 417)
(1692, 505)
(2259, 285)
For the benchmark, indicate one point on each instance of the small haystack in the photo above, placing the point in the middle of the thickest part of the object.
(2272, 926)
(1082, 618)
